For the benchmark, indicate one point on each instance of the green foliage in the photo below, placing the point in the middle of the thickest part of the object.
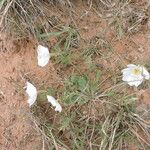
(66, 39)
(79, 89)
(93, 117)
(2, 2)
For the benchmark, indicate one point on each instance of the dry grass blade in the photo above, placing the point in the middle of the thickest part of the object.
(5, 10)
(31, 17)
(98, 109)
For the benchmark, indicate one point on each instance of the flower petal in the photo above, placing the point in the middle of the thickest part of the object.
(135, 83)
(134, 79)
(54, 103)
(32, 93)
(145, 73)
(126, 70)
(43, 55)
(58, 108)
(131, 66)
(127, 78)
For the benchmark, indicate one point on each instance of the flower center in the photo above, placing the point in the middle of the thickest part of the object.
(136, 71)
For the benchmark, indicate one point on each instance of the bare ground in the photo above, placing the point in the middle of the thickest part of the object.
(19, 64)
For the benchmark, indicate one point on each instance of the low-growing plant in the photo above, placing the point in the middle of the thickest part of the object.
(67, 39)
(79, 89)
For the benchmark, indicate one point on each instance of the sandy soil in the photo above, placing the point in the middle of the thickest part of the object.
(18, 65)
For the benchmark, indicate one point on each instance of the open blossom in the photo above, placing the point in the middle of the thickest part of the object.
(43, 55)
(32, 93)
(135, 75)
(54, 103)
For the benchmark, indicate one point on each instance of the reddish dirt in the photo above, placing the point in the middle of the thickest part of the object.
(19, 64)
(144, 97)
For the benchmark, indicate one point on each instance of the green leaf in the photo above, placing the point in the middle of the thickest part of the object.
(82, 82)
(65, 121)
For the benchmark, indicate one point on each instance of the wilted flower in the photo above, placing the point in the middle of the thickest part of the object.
(43, 55)
(32, 93)
(54, 103)
(135, 75)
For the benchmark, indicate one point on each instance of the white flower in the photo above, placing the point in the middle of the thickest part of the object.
(32, 93)
(135, 75)
(54, 103)
(43, 55)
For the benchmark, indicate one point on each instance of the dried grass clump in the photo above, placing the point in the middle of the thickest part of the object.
(33, 17)
(30, 17)
(126, 16)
